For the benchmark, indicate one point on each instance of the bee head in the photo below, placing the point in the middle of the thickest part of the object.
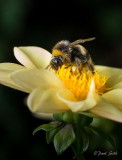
(56, 62)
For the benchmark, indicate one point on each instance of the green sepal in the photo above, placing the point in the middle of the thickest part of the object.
(58, 116)
(81, 142)
(50, 134)
(63, 117)
(103, 135)
(81, 120)
(64, 138)
(47, 127)
(74, 118)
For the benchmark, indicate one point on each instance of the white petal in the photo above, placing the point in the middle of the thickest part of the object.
(107, 110)
(44, 116)
(89, 114)
(114, 74)
(32, 57)
(10, 67)
(5, 70)
(33, 78)
(45, 101)
(117, 85)
(108, 71)
(114, 97)
(114, 80)
(78, 106)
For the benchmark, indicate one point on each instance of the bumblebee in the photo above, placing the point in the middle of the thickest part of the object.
(71, 54)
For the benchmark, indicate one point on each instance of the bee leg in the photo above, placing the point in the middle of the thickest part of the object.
(69, 65)
(91, 68)
(78, 64)
(79, 70)
(48, 67)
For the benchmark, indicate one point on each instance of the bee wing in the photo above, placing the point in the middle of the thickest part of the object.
(81, 41)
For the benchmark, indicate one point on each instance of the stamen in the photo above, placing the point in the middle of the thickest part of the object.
(79, 84)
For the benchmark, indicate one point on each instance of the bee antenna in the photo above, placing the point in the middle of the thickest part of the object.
(81, 41)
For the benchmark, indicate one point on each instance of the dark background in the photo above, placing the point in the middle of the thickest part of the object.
(44, 23)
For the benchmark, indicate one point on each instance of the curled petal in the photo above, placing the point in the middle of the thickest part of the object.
(78, 106)
(45, 101)
(32, 57)
(107, 110)
(34, 78)
(114, 97)
(5, 70)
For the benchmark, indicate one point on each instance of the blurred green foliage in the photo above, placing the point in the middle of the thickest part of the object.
(43, 23)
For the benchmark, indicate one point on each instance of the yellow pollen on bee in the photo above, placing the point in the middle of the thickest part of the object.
(56, 52)
(79, 84)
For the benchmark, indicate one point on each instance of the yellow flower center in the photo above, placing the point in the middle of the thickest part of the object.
(79, 84)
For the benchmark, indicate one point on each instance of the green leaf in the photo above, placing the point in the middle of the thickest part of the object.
(50, 134)
(103, 135)
(64, 138)
(85, 141)
(47, 127)
(81, 143)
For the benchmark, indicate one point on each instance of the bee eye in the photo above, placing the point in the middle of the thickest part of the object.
(54, 60)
